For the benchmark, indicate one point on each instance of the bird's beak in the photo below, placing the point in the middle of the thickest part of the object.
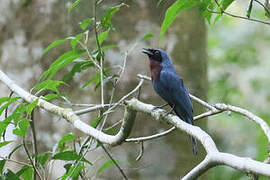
(148, 51)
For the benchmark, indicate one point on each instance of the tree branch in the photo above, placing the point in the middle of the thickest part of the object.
(220, 107)
(248, 114)
(213, 158)
(70, 116)
(222, 11)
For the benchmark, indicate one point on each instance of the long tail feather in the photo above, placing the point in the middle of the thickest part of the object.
(194, 145)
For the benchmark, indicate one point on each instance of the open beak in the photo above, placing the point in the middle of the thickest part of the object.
(148, 51)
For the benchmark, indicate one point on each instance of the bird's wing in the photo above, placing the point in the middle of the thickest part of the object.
(177, 95)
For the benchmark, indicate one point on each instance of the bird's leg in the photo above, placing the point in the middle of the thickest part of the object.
(169, 112)
(161, 106)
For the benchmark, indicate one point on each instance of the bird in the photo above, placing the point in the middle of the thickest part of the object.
(170, 87)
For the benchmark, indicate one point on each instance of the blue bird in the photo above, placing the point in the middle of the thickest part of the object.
(169, 86)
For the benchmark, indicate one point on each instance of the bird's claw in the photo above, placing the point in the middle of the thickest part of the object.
(160, 107)
(170, 111)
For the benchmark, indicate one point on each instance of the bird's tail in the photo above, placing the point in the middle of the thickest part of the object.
(194, 145)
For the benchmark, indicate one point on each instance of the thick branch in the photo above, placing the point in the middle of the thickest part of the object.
(199, 169)
(69, 115)
(218, 108)
(214, 157)
(248, 114)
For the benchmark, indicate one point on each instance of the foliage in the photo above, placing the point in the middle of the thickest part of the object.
(208, 9)
(81, 58)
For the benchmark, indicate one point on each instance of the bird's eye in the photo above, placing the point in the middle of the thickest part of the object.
(157, 53)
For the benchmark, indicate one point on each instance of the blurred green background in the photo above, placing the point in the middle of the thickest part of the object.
(239, 71)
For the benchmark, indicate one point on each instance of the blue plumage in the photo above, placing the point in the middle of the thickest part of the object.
(170, 86)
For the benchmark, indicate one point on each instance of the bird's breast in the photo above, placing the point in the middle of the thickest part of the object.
(155, 68)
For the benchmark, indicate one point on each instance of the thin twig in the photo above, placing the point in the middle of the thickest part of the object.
(131, 107)
(141, 152)
(138, 139)
(120, 74)
(266, 8)
(202, 102)
(126, 96)
(115, 163)
(18, 162)
(106, 116)
(34, 139)
(6, 115)
(158, 135)
(90, 109)
(236, 16)
(214, 155)
(114, 125)
(31, 161)
(219, 107)
(100, 52)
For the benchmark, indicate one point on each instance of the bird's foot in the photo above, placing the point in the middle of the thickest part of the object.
(170, 111)
(160, 107)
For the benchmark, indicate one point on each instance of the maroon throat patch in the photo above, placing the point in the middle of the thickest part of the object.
(155, 68)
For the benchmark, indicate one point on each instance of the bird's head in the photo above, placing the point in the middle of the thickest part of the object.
(153, 54)
(158, 61)
(158, 56)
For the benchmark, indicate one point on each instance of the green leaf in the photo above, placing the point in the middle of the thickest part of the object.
(4, 99)
(105, 78)
(26, 172)
(217, 18)
(74, 40)
(106, 19)
(78, 67)
(4, 143)
(2, 165)
(102, 37)
(18, 113)
(22, 128)
(249, 8)
(206, 4)
(49, 97)
(61, 62)
(95, 122)
(64, 139)
(49, 85)
(147, 36)
(54, 44)
(69, 156)
(86, 22)
(4, 124)
(76, 3)
(43, 158)
(8, 174)
(29, 108)
(108, 164)
(108, 47)
(9, 102)
(172, 12)
(225, 4)
(67, 166)
(73, 171)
